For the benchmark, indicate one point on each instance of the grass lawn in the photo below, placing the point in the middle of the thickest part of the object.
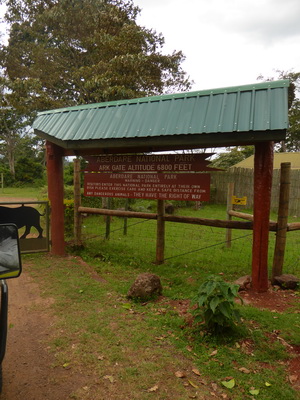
(32, 193)
(153, 350)
(152, 342)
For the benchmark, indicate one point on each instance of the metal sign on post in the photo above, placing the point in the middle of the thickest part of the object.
(242, 201)
(154, 176)
(186, 187)
(149, 163)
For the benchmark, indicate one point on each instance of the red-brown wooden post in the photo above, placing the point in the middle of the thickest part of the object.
(263, 171)
(56, 197)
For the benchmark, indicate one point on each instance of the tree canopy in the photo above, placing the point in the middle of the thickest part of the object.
(84, 51)
(292, 142)
(67, 52)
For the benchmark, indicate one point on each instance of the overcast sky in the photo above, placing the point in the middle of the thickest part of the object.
(228, 42)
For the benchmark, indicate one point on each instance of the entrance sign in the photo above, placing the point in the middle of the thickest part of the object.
(186, 187)
(149, 163)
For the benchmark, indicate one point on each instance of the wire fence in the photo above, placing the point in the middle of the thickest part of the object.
(186, 245)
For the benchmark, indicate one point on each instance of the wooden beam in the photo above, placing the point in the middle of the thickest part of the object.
(77, 202)
(263, 171)
(230, 191)
(293, 226)
(282, 221)
(160, 232)
(217, 223)
(56, 196)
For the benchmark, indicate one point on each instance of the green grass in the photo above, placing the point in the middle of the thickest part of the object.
(141, 345)
(20, 192)
(99, 331)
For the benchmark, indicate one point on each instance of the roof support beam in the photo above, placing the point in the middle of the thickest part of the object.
(56, 197)
(263, 172)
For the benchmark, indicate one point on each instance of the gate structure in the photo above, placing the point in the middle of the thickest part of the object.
(246, 115)
(34, 235)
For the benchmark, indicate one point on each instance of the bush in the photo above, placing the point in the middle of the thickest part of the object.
(69, 217)
(216, 305)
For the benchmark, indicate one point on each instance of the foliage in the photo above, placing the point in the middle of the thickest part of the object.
(76, 52)
(216, 304)
(28, 170)
(292, 142)
(232, 157)
(15, 139)
(69, 217)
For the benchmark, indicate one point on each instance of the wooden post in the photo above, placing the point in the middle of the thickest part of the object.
(160, 235)
(56, 197)
(107, 222)
(125, 218)
(263, 171)
(282, 221)
(77, 202)
(230, 191)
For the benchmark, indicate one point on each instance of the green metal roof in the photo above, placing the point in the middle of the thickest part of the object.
(257, 108)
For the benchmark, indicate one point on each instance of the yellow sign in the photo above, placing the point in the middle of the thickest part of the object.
(242, 201)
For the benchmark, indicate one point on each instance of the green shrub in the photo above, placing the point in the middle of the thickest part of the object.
(216, 307)
(69, 217)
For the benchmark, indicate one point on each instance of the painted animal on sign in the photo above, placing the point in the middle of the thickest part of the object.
(22, 216)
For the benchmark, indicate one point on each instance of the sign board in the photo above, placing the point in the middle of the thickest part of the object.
(242, 201)
(167, 186)
(149, 163)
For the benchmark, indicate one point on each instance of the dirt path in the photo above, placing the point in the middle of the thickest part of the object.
(28, 369)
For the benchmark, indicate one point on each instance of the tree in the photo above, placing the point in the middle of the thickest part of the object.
(15, 139)
(292, 141)
(233, 156)
(69, 52)
(28, 170)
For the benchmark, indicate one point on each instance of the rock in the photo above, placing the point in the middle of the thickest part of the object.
(287, 281)
(244, 282)
(145, 287)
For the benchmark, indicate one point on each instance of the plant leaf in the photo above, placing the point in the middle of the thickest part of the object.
(215, 301)
(180, 374)
(110, 378)
(196, 371)
(244, 370)
(153, 389)
(193, 384)
(229, 384)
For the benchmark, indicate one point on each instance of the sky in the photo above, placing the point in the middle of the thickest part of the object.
(227, 42)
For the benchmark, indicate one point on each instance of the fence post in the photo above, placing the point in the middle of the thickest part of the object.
(108, 219)
(282, 219)
(160, 236)
(125, 218)
(230, 191)
(77, 202)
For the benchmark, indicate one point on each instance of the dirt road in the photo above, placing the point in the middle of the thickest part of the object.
(29, 370)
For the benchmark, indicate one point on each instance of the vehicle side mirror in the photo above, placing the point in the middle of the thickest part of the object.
(10, 258)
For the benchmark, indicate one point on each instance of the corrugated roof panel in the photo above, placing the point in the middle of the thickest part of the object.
(259, 107)
(244, 112)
